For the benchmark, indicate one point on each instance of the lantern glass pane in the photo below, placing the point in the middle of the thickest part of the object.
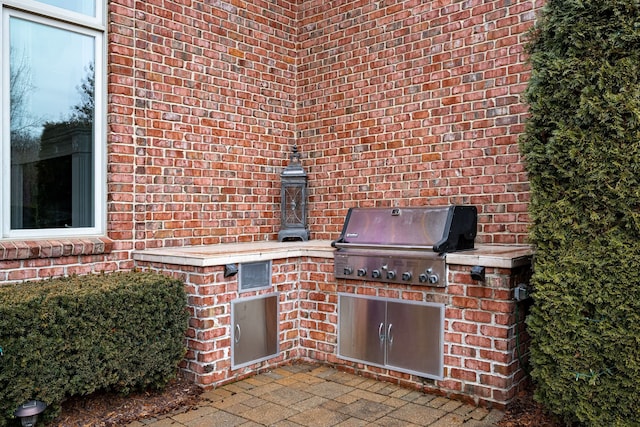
(293, 205)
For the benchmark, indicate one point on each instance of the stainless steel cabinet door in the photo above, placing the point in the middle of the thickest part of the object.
(415, 338)
(361, 329)
(255, 329)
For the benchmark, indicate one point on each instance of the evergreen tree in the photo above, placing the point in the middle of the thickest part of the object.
(582, 150)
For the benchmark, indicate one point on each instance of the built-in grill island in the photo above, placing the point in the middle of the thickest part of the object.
(393, 310)
(403, 245)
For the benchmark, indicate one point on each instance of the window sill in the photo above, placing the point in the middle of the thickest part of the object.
(55, 248)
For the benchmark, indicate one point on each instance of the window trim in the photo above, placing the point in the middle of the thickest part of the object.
(96, 22)
(100, 139)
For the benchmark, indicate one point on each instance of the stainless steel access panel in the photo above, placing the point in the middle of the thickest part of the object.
(255, 329)
(402, 335)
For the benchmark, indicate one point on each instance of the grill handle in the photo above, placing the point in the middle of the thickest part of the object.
(238, 333)
(335, 243)
(341, 245)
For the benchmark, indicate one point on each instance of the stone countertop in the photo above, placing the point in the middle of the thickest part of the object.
(496, 256)
(228, 253)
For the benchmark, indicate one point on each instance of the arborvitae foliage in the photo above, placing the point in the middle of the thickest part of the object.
(582, 150)
(72, 336)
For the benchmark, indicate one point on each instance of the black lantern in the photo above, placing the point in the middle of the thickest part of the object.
(294, 200)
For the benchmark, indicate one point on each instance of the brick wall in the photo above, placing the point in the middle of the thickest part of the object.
(37, 260)
(201, 105)
(391, 103)
(396, 103)
(415, 103)
(201, 116)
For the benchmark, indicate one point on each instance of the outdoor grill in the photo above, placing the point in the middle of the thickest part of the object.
(403, 245)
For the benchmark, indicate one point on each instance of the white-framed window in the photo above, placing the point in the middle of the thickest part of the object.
(52, 142)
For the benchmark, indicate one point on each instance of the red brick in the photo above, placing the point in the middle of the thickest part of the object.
(465, 302)
(463, 351)
(478, 316)
(478, 341)
(495, 356)
(478, 365)
(497, 306)
(463, 374)
(494, 331)
(465, 327)
(479, 292)
(494, 381)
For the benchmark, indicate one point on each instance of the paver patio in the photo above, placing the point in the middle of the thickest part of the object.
(319, 396)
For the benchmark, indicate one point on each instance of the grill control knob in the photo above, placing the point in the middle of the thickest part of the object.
(348, 271)
(406, 276)
(429, 276)
(362, 272)
(391, 274)
(376, 274)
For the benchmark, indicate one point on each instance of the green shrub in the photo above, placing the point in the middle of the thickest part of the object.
(582, 150)
(73, 336)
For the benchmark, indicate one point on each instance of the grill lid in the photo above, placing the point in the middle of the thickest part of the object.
(441, 229)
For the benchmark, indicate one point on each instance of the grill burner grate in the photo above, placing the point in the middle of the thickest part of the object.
(403, 245)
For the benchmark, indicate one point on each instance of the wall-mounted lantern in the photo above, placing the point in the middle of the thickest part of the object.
(28, 412)
(293, 216)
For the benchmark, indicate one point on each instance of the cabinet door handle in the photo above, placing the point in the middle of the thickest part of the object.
(381, 331)
(389, 336)
(238, 333)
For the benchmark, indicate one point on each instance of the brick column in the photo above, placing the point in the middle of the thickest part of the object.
(484, 326)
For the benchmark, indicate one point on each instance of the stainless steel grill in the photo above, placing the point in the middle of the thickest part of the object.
(403, 245)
